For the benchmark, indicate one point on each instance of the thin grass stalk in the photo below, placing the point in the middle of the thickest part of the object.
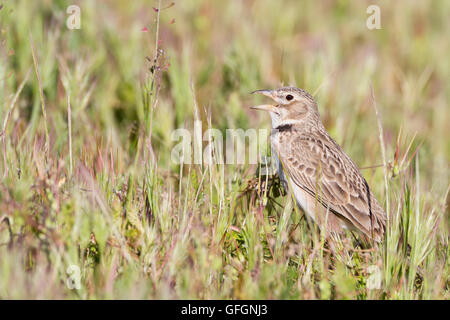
(69, 124)
(7, 117)
(41, 95)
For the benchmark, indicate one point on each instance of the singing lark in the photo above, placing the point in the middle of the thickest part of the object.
(325, 182)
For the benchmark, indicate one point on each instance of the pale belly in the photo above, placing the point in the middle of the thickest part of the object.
(300, 196)
(316, 211)
(303, 200)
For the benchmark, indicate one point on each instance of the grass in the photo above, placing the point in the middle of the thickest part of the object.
(87, 182)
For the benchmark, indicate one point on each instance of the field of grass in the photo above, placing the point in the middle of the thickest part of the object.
(88, 190)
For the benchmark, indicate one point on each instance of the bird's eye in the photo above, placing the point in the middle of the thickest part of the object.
(289, 97)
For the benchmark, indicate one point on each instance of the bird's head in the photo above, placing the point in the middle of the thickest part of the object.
(292, 106)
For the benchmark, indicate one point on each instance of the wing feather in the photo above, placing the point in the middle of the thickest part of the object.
(321, 168)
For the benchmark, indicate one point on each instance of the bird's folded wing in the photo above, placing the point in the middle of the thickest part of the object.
(329, 175)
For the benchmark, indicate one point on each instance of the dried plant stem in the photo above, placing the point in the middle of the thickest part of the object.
(154, 92)
(157, 28)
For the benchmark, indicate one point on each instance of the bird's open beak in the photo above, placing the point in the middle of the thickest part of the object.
(265, 107)
(266, 92)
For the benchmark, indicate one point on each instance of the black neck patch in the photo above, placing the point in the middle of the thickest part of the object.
(284, 127)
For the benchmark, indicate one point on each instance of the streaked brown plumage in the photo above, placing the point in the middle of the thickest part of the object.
(325, 182)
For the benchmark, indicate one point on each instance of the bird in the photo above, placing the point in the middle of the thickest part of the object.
(325, 182)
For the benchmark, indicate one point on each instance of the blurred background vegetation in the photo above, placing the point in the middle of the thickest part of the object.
(138, 226)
